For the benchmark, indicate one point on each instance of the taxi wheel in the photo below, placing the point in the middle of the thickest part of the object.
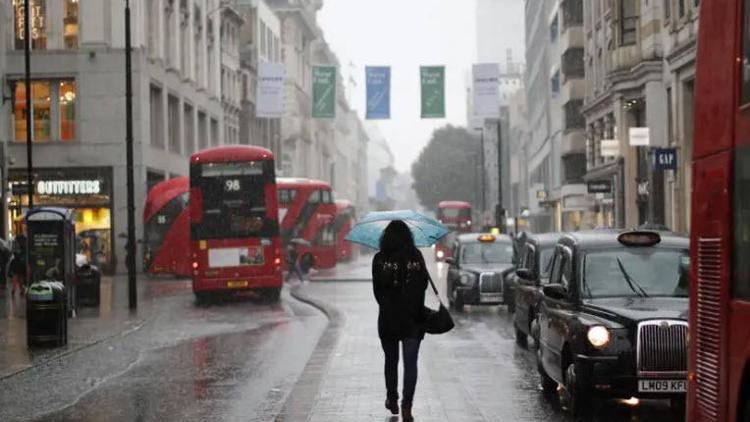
(570, 395)
(548, 384)
(458, 303)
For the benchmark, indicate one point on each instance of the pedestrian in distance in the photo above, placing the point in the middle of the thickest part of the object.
(18, 264)
(400, 278)
(293, 263)
(5, 257)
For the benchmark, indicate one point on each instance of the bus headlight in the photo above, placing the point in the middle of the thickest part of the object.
(599, 336)
(440, 254)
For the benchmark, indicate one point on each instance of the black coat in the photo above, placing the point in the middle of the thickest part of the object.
(399, 284)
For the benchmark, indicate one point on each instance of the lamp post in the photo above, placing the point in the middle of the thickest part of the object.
(27, 63)
(130, 257)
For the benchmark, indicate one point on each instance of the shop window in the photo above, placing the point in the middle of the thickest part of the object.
(43, 99)
(38, 24)
(741, 270)
(70, 24)
(67, 110)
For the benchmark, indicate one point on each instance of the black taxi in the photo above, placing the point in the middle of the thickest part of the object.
(478, 266)
(613, 318)
(526, 282)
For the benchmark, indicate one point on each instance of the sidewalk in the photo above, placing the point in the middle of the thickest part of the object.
(89, 327)
(356, 270)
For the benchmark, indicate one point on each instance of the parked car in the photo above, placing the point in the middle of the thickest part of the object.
(526, 282)
(613, 318)
(477, 271)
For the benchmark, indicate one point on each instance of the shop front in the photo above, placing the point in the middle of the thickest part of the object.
(87, 191)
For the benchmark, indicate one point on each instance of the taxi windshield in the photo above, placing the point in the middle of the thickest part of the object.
(635, 272)
(545, 262)
(487, 253)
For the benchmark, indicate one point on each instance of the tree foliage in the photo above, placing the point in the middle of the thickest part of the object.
(447, 168)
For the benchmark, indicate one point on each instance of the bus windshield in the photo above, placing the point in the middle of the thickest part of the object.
(454, 213)
(636, 272)
(234, 200)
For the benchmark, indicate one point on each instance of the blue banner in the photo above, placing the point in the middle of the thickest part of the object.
(378, 92)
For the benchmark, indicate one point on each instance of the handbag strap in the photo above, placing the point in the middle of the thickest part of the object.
(434, 289)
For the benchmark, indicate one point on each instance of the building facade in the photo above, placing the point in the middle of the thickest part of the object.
(640, 69)
(78, 106)
(232, 94)
(555, 147)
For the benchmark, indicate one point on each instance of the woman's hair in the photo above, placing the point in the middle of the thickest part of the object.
(397, 238)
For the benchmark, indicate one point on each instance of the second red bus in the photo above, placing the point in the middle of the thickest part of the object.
(166, 228)
(346, 218)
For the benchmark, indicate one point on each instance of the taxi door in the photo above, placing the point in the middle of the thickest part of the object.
(526, 290)
(555, 313)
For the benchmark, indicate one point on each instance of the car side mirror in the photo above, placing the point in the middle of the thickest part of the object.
(555, 291)
(524, 273)
(450, 261)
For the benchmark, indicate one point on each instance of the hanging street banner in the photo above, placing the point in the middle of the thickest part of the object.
(486, 83)
(433, 92)
(639, 137)
(665, 158)
(378, 92)
(324, 92)
(270, 94)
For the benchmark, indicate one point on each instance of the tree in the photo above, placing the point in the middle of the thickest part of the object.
(448, 167)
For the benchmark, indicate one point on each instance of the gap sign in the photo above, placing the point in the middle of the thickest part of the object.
(665, 158)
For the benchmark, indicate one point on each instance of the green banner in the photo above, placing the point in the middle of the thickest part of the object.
(433, 92)
(324, 92)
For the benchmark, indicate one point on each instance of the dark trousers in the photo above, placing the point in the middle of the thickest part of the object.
(411, 353)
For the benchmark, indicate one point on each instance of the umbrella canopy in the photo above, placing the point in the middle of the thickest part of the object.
(425, 230)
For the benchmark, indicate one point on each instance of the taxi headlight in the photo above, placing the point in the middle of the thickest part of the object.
(467, 279)
(599, 336)
(440, 254)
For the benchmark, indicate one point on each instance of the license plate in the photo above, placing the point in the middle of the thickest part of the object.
(662, 386)
(237, 284)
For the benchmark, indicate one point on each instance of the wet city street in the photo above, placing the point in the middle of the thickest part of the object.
(315, 356)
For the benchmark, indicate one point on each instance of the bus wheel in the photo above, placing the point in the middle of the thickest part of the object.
(272, 295)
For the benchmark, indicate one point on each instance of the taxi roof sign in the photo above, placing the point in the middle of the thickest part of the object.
(639, 238)
(487, 238)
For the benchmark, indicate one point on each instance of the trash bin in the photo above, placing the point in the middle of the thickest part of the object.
(46, 314)
(88, 281)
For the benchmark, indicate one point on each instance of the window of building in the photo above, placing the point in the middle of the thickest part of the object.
(53, 110)
(555, 83)
(667, 9)
(202, 130)
(572, 13)
(628, 22)
(188, 120)
(184, 38)
(70, 24)
(263, 51)
(681, 8)
(214, 132)
(741, 270)
(554, 30)
(157, 116)
(38, 24)
(173, 123)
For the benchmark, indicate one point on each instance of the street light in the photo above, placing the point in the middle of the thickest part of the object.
(130, 257)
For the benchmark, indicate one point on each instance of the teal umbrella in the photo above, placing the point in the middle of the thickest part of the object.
(425, 230)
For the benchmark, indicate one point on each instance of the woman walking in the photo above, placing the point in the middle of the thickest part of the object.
(399, 282)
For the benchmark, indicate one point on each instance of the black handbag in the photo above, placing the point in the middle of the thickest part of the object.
(440, 321)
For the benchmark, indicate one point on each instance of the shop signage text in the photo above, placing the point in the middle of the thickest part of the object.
(640, 137)
(610, 148)
(600, 186)
(665, 159)
(69, 187)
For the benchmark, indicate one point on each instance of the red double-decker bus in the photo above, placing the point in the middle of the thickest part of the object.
(307, 212)
(166, 228)
(456, 215)
(719, 387)
(346, 218)
(234, 221)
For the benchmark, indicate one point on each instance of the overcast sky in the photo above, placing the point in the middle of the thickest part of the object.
(404, 34)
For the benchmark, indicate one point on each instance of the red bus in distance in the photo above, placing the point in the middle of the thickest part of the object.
(719, 365)
(234, 225)
(307, 211)
(456, 215)
(346, 218)
(166, 228)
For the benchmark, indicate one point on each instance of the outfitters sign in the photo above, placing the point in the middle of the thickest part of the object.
(433, 92)
(69, 187)
(324, 92)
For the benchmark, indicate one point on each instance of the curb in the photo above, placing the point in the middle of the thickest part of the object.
(303, 397)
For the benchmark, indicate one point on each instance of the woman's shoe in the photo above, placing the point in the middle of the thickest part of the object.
(406, 415)
(392, 405)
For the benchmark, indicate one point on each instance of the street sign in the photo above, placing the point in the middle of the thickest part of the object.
(640, 137)
(324, 92)
(665, 158)
(433, 92)
(609, 148)
(486, 83)
(599, 186)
